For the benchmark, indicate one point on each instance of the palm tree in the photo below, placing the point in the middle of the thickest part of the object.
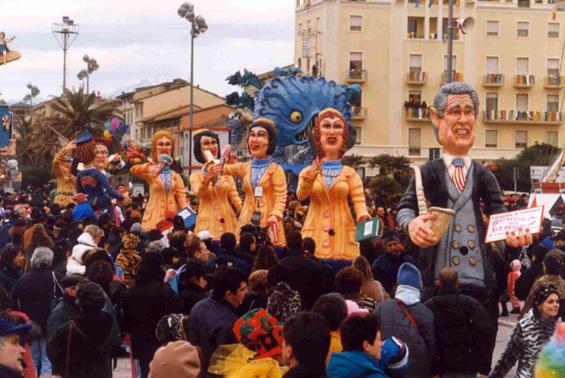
(389, 164)
(34, 146)
(354, 161)
(80, 111)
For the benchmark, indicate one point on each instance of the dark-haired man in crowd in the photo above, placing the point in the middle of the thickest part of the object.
(211, 320)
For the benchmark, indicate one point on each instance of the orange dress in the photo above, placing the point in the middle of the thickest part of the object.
(273, 202)
(160, 201)
(215, 213)
(66, 182)
(329, 221)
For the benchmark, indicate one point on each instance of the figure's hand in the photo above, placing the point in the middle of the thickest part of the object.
(315, 168)
(363, 218)
(127, 200)
(72, 145)
(272, 220)
(154, 168)
(169, 275)
(420, 233)
(520, 240)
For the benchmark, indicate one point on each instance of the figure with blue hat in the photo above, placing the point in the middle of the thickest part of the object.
(90, 180)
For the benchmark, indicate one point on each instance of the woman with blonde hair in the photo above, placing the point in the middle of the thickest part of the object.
(370, 287)
(88, 240)
(167, 193)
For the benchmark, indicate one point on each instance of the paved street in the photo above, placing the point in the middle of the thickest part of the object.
(505, 328)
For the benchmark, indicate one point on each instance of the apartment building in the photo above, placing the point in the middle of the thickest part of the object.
(396, 51)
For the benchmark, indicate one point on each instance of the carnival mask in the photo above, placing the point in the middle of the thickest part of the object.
(258, 142)
(456, 129)
(101, 152)
(208, 143)
(164, 146)
(331, 136)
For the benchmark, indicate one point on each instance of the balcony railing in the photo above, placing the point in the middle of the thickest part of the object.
(415, 35)
(554, 82)
(522, 117)
(493, 80)
(356, 75)
(417, 113)
(416, 77)
(358, 112)
(457, 76)
(524, 81)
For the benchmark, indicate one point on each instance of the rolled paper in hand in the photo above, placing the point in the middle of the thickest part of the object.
(443, 217)
(210, 161)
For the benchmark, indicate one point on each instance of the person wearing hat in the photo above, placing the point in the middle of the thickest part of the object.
(258, 353)
(66, 181)
(406, 318)
(11, 348)
(331, 186)
(166, 187)
(217, 194)
(385, 268)
(264, 181)
(559, 239)
(176, 359)
(128, 258)
(530, 335)
(81, 347)
(364, 352)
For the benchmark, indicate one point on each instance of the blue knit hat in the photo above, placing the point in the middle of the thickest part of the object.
(409, 275)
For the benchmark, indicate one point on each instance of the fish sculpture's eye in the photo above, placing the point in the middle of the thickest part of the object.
(296, 116)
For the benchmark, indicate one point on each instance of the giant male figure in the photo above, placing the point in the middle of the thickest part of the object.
(457, 182)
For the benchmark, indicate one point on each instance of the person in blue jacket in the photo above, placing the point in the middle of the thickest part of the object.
(364, 353)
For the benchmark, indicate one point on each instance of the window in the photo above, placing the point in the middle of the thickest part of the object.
(415, 63)
(415, 27)
(414, 140)
(317, 24)
(553, 67)
(356, 60)
(492, 65)
(355, 23)
(552, 103)
(415, 97)
(553, 30)
(523, 28)
(523, 66)
(492, 28)
(309, 28)
(491, 138)
(522, 102)
(358, 132)
(551, 137)
(299, 28)
(521, 139)
(491, 102)
(453, 63)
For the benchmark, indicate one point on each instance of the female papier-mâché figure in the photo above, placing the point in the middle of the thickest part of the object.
(264, 181)
(329, 184)
(90, 180)
(217, 195)
(166, 189)
(66, 181)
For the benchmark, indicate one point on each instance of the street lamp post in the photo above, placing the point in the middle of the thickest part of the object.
(197, 26)
(91, 66)
(463, 24)
(65, 33)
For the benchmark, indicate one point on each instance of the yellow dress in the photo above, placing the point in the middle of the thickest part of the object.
(273, 202)
(329, 221)
(66, 182)
(215, 213)
(160, 202)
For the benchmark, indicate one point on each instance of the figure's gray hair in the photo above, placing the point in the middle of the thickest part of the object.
(42, 258)
(455, 88)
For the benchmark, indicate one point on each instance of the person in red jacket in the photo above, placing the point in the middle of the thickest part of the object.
(513, 276)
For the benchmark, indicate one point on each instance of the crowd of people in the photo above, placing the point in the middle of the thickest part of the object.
(76, 294)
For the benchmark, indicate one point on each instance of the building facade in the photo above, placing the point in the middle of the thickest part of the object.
(396, 51)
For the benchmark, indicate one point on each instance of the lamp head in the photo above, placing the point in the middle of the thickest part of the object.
(465, 24)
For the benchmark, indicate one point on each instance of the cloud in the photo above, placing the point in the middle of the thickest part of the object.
(134, 40)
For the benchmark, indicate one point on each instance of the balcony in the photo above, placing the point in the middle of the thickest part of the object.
(358, 113)
(554, 82)
(457, 76)
(524, 81)
(356, 75)
(493, 80)
(521, 117)
(416, 113)
(416, 78)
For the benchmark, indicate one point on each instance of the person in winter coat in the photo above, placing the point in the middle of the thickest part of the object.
(11, 263)
(370, 287)
(406, 318)
(128, 258)
(385, 268)
(530, 335)
(193, 286)
(38, 237)
(364, 354)
(147, 301)
(88, 240)
(526, 281)
(513, 276)
(66, 307)
(34, 293)
(464, 333)
(81, 347)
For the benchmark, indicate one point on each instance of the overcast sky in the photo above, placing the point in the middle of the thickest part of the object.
(136, 40)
